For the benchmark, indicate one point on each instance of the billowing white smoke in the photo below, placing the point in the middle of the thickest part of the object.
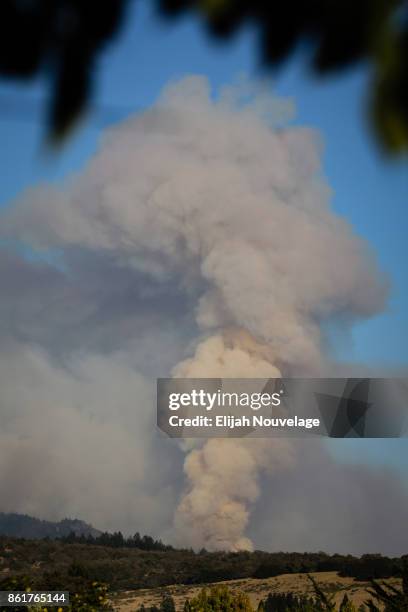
(223, 479)
(221, 202)
(223, 475)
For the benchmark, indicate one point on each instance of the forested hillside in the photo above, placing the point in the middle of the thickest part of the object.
(24, 526)
(61, 564)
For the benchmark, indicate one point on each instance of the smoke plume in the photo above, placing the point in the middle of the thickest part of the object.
(199, 241)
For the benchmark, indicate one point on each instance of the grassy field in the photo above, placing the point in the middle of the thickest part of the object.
(256, 589)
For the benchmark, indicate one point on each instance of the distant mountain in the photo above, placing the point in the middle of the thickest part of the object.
(23, 526)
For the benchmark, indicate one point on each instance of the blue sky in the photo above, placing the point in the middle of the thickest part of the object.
(368, 189)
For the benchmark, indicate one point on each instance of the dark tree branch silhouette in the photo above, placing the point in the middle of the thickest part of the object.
(63, 38)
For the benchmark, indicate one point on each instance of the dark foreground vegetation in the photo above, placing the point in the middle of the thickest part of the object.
(221, 599)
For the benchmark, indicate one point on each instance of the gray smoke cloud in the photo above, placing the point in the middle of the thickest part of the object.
(333, 507)
(199, 240)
